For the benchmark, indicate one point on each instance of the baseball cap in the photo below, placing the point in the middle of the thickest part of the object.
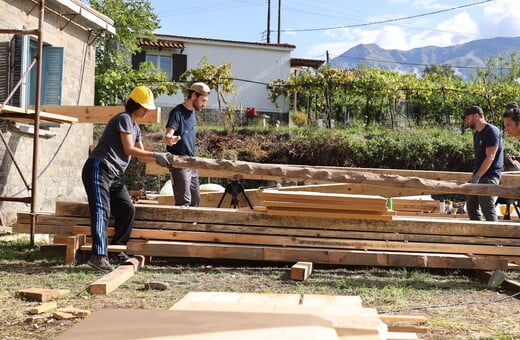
(200, 88)
(143, 96)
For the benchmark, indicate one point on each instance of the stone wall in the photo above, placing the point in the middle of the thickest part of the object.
(61, 156)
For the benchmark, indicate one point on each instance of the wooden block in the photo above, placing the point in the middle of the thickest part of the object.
(41, 294)
(80, 313)
(166, 200)
(301, 271)
(73, 244)
(44, 307)
(112, 280)
(136, 261)
(53, 251)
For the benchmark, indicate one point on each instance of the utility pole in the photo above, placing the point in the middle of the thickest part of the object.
(279, 18)
(268, 21)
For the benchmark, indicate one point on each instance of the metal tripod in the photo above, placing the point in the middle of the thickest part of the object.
(234, 187)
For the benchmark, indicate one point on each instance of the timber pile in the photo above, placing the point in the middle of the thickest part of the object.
(297, 203)
(221, 315)
(220, 233)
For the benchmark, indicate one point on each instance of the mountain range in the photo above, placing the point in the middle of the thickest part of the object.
(464, 58)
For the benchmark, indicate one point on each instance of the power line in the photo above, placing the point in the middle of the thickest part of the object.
(387, 20)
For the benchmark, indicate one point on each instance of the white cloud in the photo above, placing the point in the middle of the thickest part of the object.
(500, 18)
(496, 18)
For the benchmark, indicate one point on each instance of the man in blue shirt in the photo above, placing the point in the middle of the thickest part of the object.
(180, 137)
(489, 161)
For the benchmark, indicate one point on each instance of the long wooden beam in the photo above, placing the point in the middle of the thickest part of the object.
(329, 256)
(160, 230)
(27, 115)
(508, 178)
(99, 114)
(418, 225)
(266, 171)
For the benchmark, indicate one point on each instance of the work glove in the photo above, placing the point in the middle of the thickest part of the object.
(162, 159)
(474, 179)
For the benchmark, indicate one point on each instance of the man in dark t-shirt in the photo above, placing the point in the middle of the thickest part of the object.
(489, 161)
(180, 139)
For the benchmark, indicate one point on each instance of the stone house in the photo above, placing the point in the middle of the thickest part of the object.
(69, 29)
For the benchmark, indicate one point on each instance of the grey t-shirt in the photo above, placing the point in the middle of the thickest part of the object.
(110, 148)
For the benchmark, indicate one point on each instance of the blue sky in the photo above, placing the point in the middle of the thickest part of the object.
(334, 26)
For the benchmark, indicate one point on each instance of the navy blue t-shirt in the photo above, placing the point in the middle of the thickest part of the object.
(184, 124)
(489, 136)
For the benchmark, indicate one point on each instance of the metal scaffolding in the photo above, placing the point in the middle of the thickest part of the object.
(35, 116)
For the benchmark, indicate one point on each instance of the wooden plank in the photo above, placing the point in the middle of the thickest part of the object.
(41, 294)
(301, 271)
(99, 114)
(111, 281)
(212, 232)
(401, 336)
(407, 329)
(402, 318)
(44, 307)
(315, 255)
(195, 325)
(111, 248)
(329, 213)
(358, 207)
(399, 224)
(348, 201)
(351, 321)
(28, 115)
(336, 243)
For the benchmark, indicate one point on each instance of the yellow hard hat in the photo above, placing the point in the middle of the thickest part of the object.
(143, 95)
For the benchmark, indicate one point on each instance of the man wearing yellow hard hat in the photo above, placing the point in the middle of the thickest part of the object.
(102, 172)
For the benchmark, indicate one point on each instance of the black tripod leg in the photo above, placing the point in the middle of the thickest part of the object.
(221, 199)
(245, 195)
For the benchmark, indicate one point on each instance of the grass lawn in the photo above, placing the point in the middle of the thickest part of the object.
(456, 304)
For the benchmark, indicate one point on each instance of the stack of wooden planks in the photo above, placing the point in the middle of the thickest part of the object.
(302, 203)
(222, 315)
(221, 233)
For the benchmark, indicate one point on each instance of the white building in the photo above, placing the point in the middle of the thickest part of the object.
(254, 66)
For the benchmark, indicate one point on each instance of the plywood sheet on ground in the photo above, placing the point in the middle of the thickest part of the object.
(349, 318)
(124, 324)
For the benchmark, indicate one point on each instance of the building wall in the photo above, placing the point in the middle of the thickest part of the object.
(253, 66)
(60, 157)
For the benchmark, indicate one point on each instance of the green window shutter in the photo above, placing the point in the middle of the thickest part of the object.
(180, 64)
(16, 69)
(52, 75)
(137, 59)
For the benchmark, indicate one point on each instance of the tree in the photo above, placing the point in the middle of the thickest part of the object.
(221, 80)
(115, 78)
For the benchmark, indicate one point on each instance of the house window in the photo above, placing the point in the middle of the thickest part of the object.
(24, 50)
(173, 65)
(163, 62)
